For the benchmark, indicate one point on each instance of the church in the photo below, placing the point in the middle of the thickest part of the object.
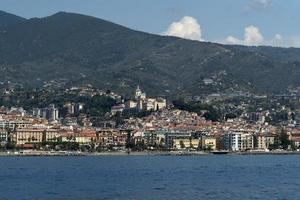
(141, 102)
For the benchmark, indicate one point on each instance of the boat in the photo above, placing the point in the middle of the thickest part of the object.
(220, 152)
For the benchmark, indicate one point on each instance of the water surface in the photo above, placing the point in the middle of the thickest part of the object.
(151, 177)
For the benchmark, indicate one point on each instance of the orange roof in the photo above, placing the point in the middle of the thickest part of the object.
(25, 145)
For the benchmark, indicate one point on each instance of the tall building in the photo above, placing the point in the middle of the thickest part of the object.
(238, 141)
(138, 92)
(50, 113)
(37, 112)
(70, 108)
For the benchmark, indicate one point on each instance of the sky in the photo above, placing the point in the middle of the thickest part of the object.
(246, 22)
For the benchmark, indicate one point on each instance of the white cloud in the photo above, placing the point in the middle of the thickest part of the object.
(278, 37)
(187, 28)
(277, 41)
(292, 41)
(252, 37)
(264, 3)
(258, 4)
(232, 40)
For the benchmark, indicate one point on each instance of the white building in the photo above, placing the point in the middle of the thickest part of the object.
(130, 104)
(50, 113)
(139, 94)
(143, 103)
(238, 141)
(161, 103)
(149, 104)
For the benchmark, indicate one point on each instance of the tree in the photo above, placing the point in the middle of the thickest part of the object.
(293, 116)
(207, 148)
(284, 139)
(182, 146)
(230, 116)
(281, 141)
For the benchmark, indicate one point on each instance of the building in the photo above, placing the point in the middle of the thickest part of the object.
(247, 140)
(172, 136)
(50, 113)
(208, 81)
(265, 141)
(70, 121)
(117, 109)
(73, 108)
(149, 104)
(154, 137)
(37, 112)
(139, 94)
(238, 141)
(35, 135)
(17, 111)
(141, 102)
(111, 138)
(82, 137)
(130, 104)
(209, 143)
(50, 135)
(3, 137)
(28, 135)
(161, 103)
(70, 107)
(79, 107)
(295, 139)
(13, 124)
(186, 143)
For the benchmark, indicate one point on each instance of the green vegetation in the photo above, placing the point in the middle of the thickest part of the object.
(208, 111)
(82, 49)
(139, 146)
(281, 141)
(98, 105)
(9, 19)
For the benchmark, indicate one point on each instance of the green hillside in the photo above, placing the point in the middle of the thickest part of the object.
(73, 49)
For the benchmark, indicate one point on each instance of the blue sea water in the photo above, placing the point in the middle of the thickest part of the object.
(150, 177)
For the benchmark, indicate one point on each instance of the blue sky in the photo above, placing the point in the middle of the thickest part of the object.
(248, 22)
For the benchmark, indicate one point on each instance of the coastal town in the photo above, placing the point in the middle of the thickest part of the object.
(163, 126)
(142, 100)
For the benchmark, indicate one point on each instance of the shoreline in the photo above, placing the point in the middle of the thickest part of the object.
(136, 153)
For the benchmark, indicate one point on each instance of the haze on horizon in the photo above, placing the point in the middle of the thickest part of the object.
(244, 22)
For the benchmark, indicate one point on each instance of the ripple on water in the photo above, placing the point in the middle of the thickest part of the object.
(222, 177)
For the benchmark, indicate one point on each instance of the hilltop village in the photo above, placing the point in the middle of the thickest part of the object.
(103, 121)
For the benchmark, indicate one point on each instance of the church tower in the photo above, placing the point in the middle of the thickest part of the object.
(138, 92)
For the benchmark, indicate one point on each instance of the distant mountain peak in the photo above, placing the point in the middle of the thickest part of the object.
(69, 48)
(7, 19)
(70, 14)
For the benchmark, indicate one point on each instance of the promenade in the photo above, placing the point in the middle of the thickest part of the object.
(139, 153)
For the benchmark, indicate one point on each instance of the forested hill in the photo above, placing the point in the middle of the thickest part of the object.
(9, 19)
(75, 49)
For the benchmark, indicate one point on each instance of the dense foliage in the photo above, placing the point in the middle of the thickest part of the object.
(66, 49)
(208, 111)
(28, 99)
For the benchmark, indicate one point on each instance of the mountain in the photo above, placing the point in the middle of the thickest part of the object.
(9, 19)
(74, 49)
(279, 53)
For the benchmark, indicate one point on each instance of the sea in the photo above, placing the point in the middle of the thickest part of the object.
(150, 177)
